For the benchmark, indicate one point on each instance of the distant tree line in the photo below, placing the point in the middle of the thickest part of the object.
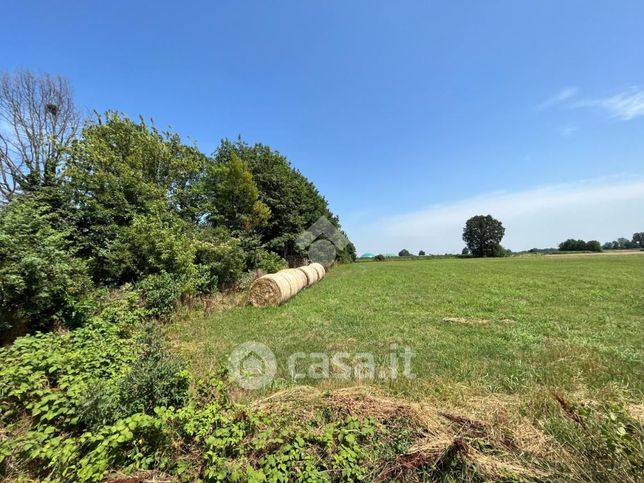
(572, 245)
(637, 241)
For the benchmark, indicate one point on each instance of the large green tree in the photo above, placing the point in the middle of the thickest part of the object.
(120, 169)
(483, 235)
(294, 202)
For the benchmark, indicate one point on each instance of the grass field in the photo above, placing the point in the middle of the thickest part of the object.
(521, 343)
(477, 326)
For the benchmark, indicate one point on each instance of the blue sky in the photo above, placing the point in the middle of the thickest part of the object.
(402, 113)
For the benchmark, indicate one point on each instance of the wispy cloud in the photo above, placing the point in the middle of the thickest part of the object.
(561, 96)
(625, 105)
(567, 131)
(539, 217)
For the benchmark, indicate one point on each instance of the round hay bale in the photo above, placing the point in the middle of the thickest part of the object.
(270, 290)
(320, 269)
(311, 273)
(296, 278)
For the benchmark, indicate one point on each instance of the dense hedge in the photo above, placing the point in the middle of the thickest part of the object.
(133, 205)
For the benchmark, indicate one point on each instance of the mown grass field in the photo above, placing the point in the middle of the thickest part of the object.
(534, 363)
(519, 324)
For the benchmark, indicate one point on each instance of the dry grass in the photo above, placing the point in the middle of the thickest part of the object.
(495, 448)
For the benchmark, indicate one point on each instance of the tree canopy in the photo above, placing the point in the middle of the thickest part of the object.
(122, 202)
(483, 235)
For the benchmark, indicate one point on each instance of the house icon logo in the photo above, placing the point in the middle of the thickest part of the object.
(252, 365)
(323, 241)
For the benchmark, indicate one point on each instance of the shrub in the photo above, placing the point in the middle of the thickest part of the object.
(41, 282)
(379, 258)
(220, 264)
(160, 292)
(152, 245)
(267, 261)
(155, 379)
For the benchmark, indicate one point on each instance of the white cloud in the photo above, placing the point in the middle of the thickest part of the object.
(558, 98)
(625, 105)
(539, 217)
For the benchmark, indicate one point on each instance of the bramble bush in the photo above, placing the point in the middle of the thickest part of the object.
(109, 396)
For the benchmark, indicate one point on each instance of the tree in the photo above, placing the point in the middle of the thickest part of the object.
(294, 202)
(38, 120)
(404, 253)
(466, 251)
(624, 243)
(594, 246)
(42, 283)
(234, 196)
(119, 170)
(483, 234)
(638, 239)
(421, 253)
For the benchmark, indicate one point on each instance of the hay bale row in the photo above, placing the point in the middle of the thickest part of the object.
(276, 288)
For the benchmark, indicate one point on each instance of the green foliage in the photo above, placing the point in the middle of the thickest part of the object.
(120, 170)
(98, 400)
(483, 235)
(404, 253)
(348, 253)
(421, 253)
(160, 292)
(605, 439)
(638, 239)
(151, 245)
(41, 282)
(155, 378)
(233, 196)
(294, 202)
(379, 258)
(220, 263)
(268, 262)
(572, 245)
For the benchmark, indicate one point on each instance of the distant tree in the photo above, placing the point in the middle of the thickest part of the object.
(404, 253)
(483, 235)
(348, 255)
(379, 258)
(421, 253)
(607, 246)
(625, 243)
(594, 246)
(465, 251)
(38, 120)
(572, 245)
(638, 239)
